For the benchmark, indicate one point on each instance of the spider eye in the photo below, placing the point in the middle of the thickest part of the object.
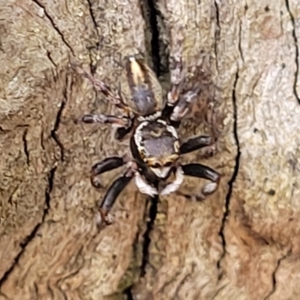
(156, 166)
(168, 164)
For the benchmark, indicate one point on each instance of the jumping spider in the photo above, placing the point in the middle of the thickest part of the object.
(152, 120)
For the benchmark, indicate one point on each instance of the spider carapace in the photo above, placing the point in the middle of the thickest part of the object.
(150, 119)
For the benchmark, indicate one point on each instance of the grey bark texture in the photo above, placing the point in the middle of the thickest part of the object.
(242, 242)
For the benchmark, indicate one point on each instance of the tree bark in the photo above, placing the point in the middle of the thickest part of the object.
(242, 242)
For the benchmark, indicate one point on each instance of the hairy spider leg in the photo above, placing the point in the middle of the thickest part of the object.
(183, 105)
(114, 98)
(178, 102)
(176, 81)
(124, 123)
(107, 164)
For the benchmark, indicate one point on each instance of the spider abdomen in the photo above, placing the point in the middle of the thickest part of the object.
(143, 90)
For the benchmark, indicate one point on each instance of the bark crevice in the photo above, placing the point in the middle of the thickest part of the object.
(217, 32)
(152, 211)
(233, 178)
(155, 42)
(51, 59)
(57, 122)
(54, 26)
(93, 18)
(25, 146)
(240, 41)
(147, 239)
(274, 282)
(48, 190)
(296, 50)
(31, 236)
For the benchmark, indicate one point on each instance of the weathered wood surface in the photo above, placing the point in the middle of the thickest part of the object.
(242, 242)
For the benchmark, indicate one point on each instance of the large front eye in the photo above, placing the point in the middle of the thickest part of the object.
(168, 164)
(156, 166)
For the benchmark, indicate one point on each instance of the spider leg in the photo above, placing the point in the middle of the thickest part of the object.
(121, 132)
(176, 82)
(124, 125)
(143, 186)
(182, 107)
(178, 101)
(195, 143)
(111, 195)
(173, 186)
(202, 171)
(106, 119)
(99, 85)
(124, 122)
(106, 165)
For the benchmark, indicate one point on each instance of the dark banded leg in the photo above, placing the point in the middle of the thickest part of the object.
(105, 165)
(124, 124)
(106, 119)
(111, 195)
(195, 143)
(202, 171)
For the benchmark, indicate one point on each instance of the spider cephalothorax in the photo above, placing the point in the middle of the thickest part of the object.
(157, 145)
(156, 149)
(154, 141)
